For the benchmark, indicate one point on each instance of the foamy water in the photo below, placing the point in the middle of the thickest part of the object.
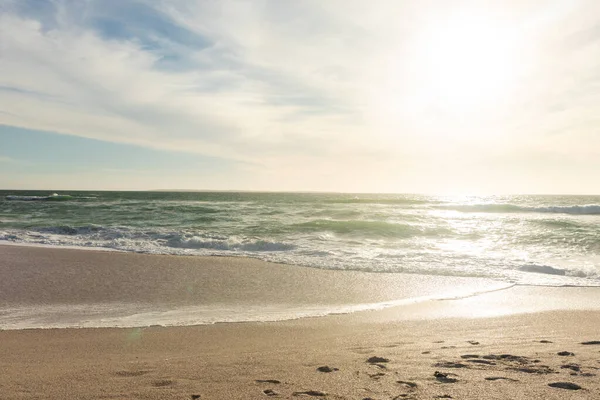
(50, 288)
(541, 240)
(128, 315)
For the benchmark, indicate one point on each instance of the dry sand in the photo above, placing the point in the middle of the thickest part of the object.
(482, 347)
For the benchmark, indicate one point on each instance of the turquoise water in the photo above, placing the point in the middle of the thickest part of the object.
(541, 240)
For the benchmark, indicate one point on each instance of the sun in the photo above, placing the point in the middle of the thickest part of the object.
(464, 62)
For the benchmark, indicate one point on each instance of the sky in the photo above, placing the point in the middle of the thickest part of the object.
(446, 96)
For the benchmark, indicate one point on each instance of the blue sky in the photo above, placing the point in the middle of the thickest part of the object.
(432, 96)
(56, 160)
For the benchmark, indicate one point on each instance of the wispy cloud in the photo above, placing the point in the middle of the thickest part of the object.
(305, 91)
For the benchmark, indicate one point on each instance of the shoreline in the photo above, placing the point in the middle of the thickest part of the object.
(45, 288)
(214, 288)
(51, 246)
(477, 306)
(496, 345)
(247, 257)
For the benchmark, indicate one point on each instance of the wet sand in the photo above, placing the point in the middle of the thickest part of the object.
(40, 287)
(513, 343)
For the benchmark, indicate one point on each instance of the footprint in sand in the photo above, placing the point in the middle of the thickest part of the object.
(507, 357)
(565, 385)
(275, 381)
(377, 360)
(500, 378)
(565, 353)
(362, 350)
(163, 383)
(128, 374)
(591, 342)
(270, 392)
(485, 362)
(410, 385)
(572, 367)
(447, 364)
(376, 375)
(444, 377)
(327, 369)
(313, 393)
(534, 369)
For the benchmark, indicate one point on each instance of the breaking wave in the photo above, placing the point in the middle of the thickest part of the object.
(52, 197)
(588, 209)
(368, 228)
(232, 244)
(524, 239)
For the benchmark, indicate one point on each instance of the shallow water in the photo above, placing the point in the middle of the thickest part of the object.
(540, 240)
(57, 288)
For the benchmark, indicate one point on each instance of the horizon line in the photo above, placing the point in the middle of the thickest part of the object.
(294, 192)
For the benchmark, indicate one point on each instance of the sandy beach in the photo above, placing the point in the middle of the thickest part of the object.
(302, 200)
(519, 343)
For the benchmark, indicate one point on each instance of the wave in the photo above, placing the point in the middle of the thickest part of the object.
(587, 209)
(543, 269)
(368, 228)
(72, 230)
(143, 241)
(52, 197)
(231, 244)
(560, 223)
(548, 270)
(174, 243)
(397, 201)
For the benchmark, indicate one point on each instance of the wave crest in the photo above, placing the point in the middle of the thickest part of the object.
(368, 228)
(52, 197)
(231, 244)
(587, 209)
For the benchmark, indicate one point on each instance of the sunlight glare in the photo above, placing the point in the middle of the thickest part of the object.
(465, 62)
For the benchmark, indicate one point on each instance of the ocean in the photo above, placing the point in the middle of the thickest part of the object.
(531, 240)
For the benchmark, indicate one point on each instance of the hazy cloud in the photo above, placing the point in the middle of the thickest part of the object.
(309, 92)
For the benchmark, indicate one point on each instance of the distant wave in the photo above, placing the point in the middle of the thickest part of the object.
(52, 197)
(368, 228)
(375, 200)
(588, 209)
(559, 223)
